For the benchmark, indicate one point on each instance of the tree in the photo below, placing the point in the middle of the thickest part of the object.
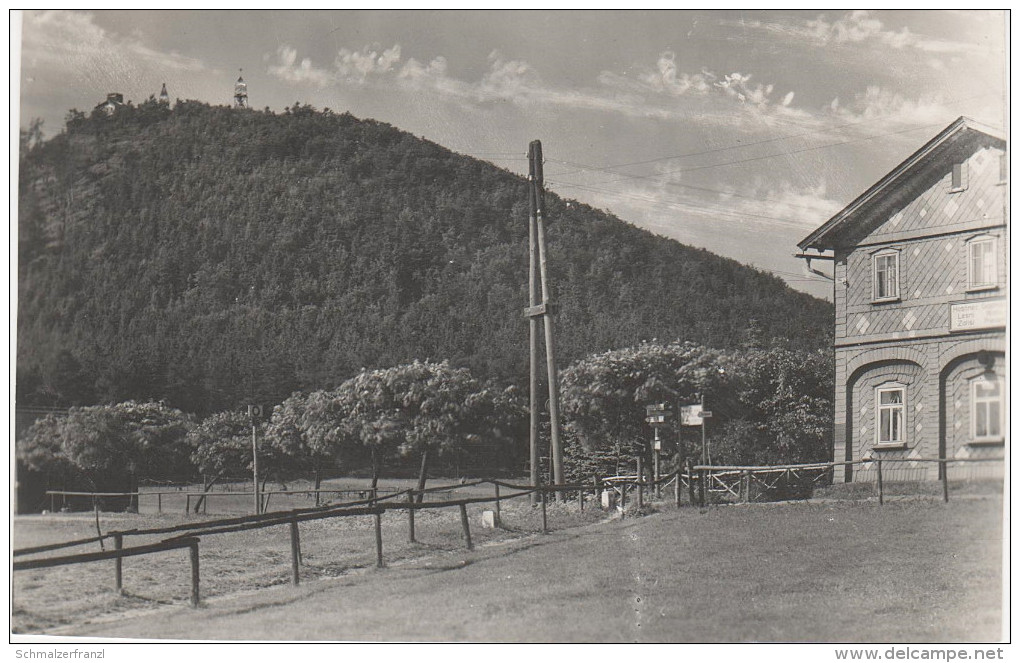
(604, 396)
(785, 401)
(110, 445)
(222, 446)
(425, 409)
(769, 406)
(307, 431)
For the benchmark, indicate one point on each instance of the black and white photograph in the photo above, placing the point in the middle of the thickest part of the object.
(566, 326)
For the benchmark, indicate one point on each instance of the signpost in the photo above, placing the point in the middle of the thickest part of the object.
(656, 416)
(254, 412)
(695, 415)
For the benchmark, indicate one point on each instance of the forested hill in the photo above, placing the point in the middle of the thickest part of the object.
(209, 257)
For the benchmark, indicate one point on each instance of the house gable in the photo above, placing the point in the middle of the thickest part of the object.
(942, 209)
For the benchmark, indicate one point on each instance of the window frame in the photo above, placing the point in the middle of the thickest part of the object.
(962, 169)
(901, 406)
(972, 387)
(875, 258)
(981, 240)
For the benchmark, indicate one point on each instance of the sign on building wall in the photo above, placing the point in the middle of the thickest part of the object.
(983, 314)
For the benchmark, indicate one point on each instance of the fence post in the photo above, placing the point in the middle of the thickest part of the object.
(598, 490)
(159, 502)
(640, 480)
(498, 515)
(465, 525)
(623, 499)
(378, 539)
(676, 489)
(295, 550)
(881, 490)
(53, 498)
(187, 504)
(747, 486)
(410, 515)
(193, 550)
(118, 543)
(580, 498)
(945, 480)
(545, 524)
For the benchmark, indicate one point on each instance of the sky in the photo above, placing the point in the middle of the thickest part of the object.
(735, 131)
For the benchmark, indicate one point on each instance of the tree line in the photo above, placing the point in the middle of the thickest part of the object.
(770, 405)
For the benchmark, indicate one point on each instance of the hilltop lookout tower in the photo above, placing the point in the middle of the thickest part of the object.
(164, 98)
(240, 92)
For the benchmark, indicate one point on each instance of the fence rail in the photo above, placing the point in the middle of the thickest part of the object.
(731, 480)
(737, 480)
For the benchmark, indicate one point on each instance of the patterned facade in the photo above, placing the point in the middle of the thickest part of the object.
(921, 291)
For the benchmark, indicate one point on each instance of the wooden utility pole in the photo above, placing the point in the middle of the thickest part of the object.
(542, 309)
(533, 325)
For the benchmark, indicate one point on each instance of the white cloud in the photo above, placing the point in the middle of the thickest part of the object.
(894, 108)
(72, 41)
(650, 94)
(289, 69)
(856, 27)
(360, 65)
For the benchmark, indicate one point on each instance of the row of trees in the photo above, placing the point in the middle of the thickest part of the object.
(422, 410)
(770, 405)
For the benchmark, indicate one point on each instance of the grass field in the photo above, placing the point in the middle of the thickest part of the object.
(918, 571)
(242, 561)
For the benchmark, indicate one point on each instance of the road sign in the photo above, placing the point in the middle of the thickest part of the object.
(691, 415)
(706, 414)
(657, 414)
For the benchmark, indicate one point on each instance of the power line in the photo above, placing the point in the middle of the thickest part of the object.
(678, 204)
(777, 154)
(691, 186)
(763, 142)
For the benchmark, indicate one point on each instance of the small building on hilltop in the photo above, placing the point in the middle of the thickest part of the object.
(114, 100)
(921, 294)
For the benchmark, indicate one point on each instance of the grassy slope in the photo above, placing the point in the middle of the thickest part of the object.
(906, 572)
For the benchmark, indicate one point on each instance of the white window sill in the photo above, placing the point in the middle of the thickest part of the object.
(983, 288)
(988, 442)
(888, 446)
(959, 189)
(886, 300)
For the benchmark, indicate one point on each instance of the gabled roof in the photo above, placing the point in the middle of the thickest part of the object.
(962, 135)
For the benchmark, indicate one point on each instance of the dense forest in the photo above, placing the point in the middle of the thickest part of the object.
(211, 257)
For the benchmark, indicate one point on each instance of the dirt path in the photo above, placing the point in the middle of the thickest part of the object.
(917, 572)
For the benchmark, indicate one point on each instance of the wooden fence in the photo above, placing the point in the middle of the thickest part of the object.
(187, 534)
(735, 482)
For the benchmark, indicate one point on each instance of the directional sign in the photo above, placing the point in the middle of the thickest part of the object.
(706, 414)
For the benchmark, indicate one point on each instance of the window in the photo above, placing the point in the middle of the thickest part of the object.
(986, 409)
(958, 178)
(889, 414)
(981, 267)
(887, 278)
